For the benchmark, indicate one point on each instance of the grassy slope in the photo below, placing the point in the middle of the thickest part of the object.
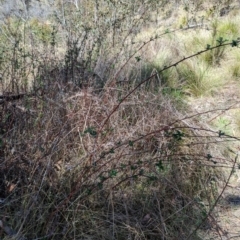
(77, 163)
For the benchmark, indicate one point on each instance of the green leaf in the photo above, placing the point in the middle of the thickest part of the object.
(91, 131)
(209, 156)
(113, 173)
(130, 143)
(234, 43)
(103, 154)
(152, 178)
(141, 172)
(133, 167)
(138, 58)
(220, 133)
(221, 41)
(159, 165)
(111, 150)
(135, 177)
(208, 46)
(178, 135)
(139, 162)
(102, 178)
(89, 191)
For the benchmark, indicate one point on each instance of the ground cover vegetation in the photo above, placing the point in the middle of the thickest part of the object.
(110, 126)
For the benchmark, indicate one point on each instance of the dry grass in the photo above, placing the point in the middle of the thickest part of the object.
(80, 160)
(143, 174)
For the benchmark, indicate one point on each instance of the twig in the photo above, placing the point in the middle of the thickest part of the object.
(215, 204)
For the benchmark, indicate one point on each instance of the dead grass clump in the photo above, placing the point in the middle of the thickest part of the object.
(81, 160)
(67, 172)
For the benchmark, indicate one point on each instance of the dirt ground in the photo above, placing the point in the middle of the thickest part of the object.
(226, 215)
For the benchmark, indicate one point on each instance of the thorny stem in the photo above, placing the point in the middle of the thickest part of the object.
(164, 69)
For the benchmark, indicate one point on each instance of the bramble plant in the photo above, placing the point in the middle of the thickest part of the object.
(109, 118)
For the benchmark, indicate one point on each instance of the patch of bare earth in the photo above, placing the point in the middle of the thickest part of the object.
(225, 104)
